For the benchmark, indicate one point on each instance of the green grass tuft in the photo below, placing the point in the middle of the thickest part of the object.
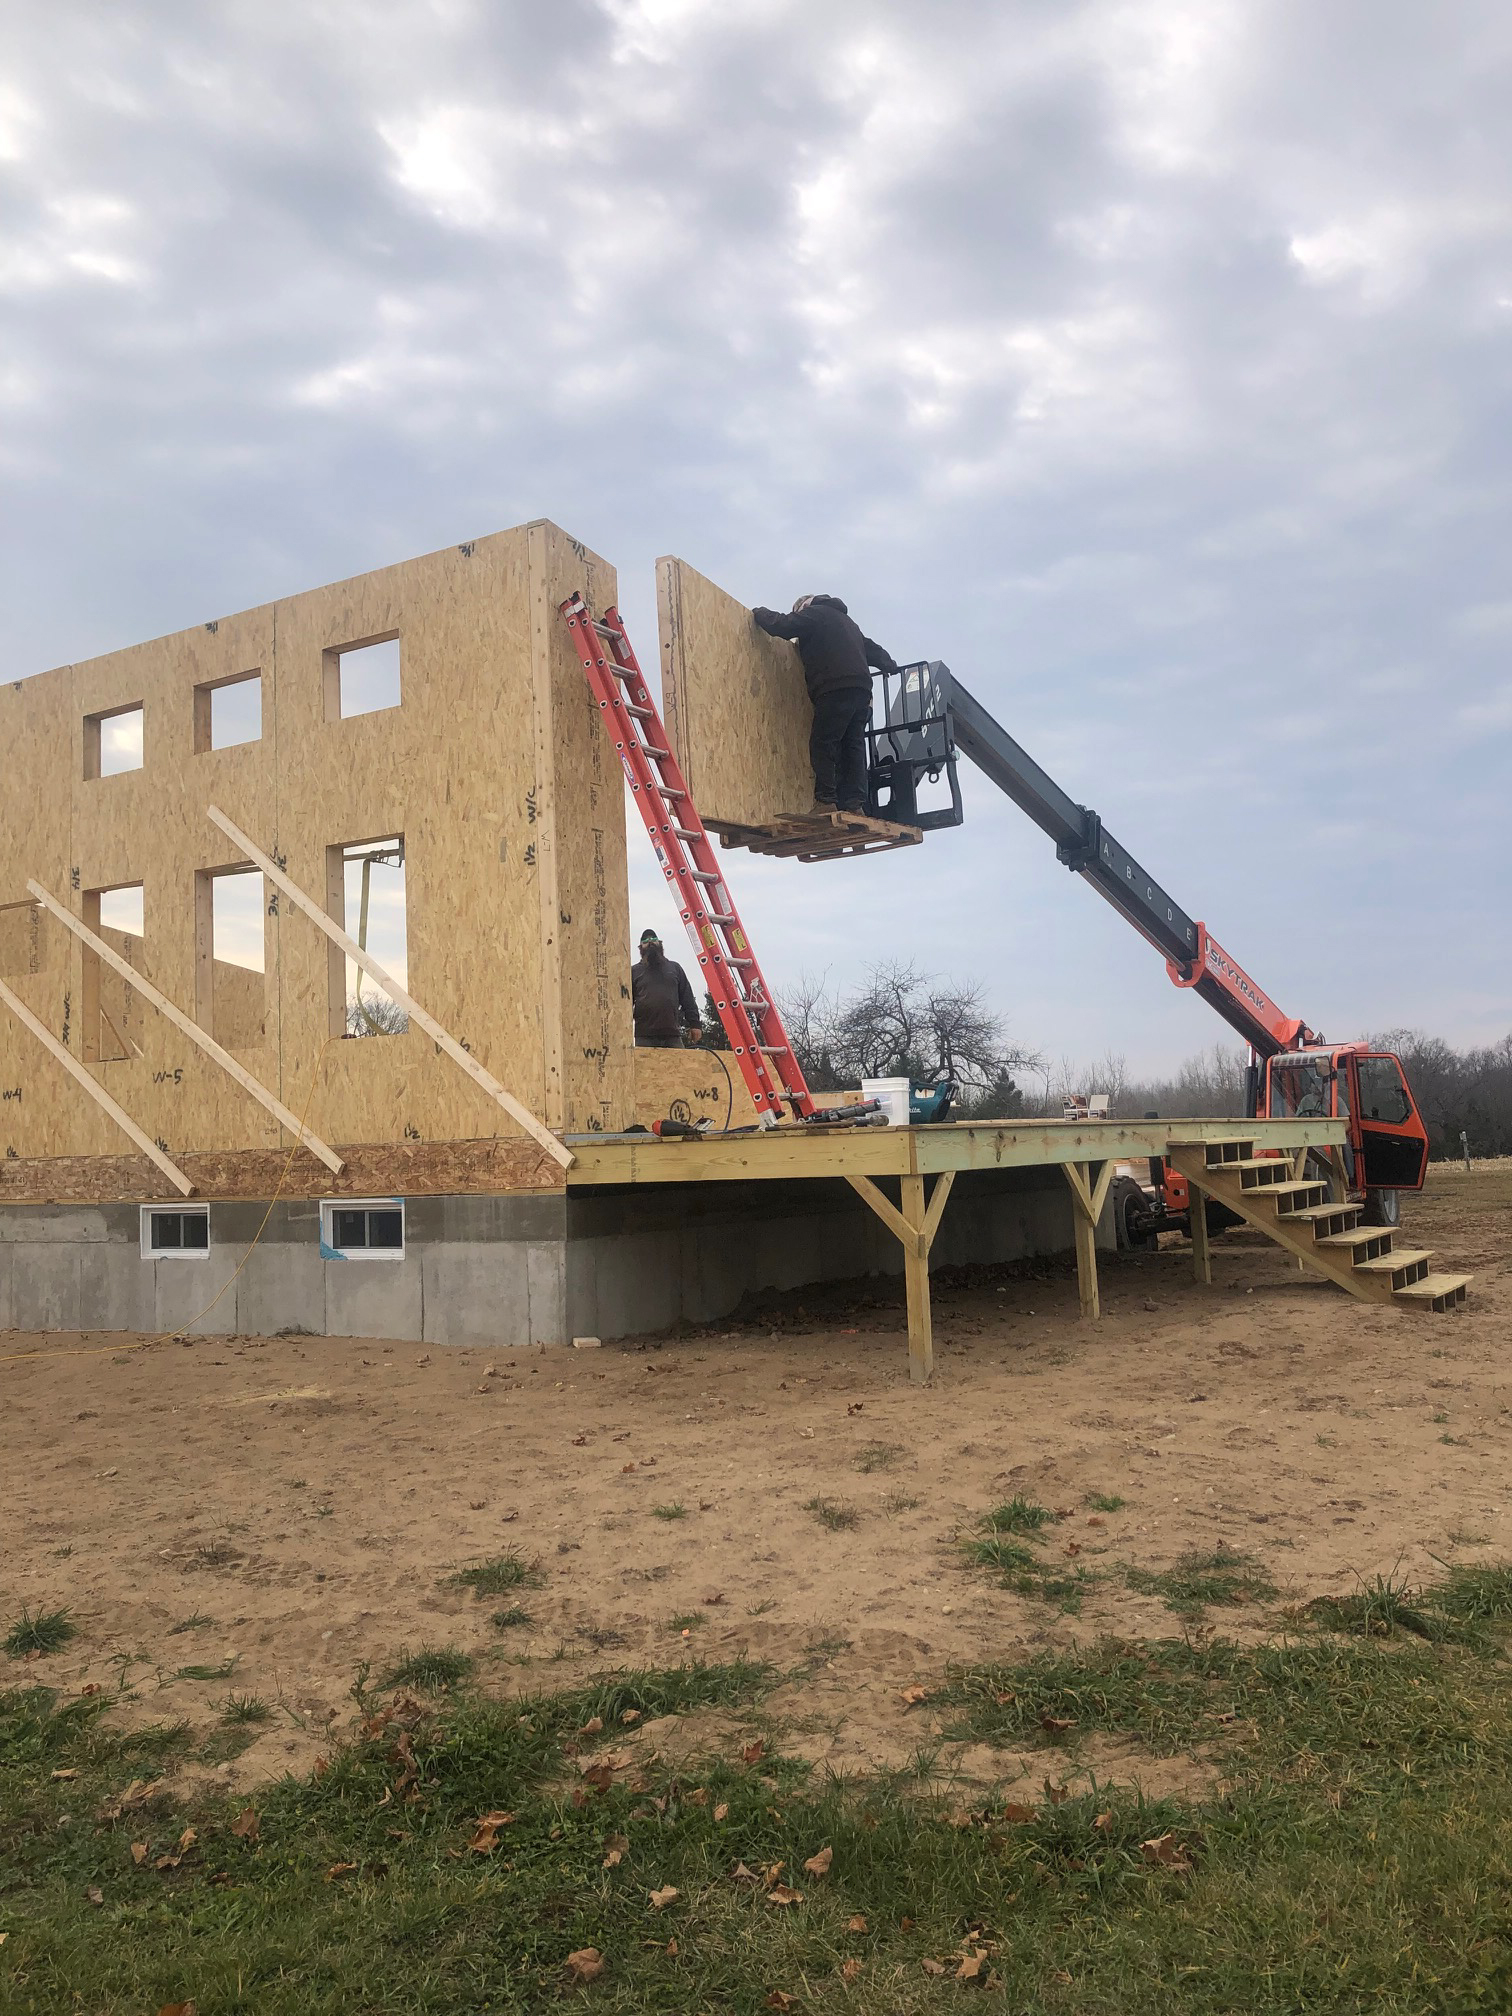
(497, 1576)
(833, 1514)
(688, 1620)
(676, 1510)
(432, 1668)
(507, 1620)
(245, 1708)
(1104, 1501)
(878, 1456)
(1201, 1579)
(39, 1631)
(1019, 1515)
(222, 1671)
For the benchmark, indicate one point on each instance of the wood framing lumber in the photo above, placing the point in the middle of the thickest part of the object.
(938, 1199)
(96, 1091)
(191, 1029)
(1086, 1208)
(886, 1210)
(355, 952)
(916, 1283)
(1202, 1252)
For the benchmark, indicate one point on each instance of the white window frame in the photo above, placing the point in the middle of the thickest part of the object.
(151, 1211)
(329, 1206)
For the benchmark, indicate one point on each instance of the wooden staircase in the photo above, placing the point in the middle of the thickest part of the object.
(1298, 1215)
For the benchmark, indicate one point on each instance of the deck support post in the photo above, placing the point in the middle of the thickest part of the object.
(1202, 1252)
(914, 1227)
(1087, 1200)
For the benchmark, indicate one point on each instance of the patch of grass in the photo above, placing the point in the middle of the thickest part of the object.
(195, 1621)
(1461, 1536)
(832, 1514)
(1351, 1862)
(40, 1631)
(1200, 1579)
(1019, 1515)
(1439, 1418)
(497, 1576)
(676, 1510)
(878, 1456)
(223, 1671)
(760, 1609)
(508, 1620)
(1326, 1441)
(899, 1501)
(1379, 1609)
(1471, 1595)
(688, 1620)
(432, 1668)
(1104, 1501)
(248, 1708)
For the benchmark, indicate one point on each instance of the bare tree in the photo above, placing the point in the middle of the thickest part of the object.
(901, 1023)
(375, 1015)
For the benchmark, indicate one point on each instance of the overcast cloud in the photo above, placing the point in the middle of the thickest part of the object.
(1151, 363)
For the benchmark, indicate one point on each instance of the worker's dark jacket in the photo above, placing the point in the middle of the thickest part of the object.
(834, 651)
(661, 999)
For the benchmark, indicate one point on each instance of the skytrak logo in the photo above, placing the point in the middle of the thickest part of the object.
(1236, 978)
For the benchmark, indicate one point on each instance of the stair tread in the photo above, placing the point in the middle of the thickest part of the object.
(1283, 1189)
(1319, 1211)
(1389, 1263)
(1435, 1284)
(1358, 1235)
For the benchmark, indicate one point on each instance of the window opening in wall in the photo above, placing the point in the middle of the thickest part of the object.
(231, 956)
(113, 741)
(361, 678)
(112, 1010)
(366, 896)
(366, 1228)
(227, 712)
(169, 1233)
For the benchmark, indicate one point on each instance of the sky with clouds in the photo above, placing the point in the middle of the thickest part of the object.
(1148, 362)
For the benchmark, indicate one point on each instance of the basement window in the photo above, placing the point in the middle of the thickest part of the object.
(228, 712)
(366, 1228)
(110, 1025)
(174, 1234)
(362, 678)
(365, 894)
(230, 966)
(113, 741)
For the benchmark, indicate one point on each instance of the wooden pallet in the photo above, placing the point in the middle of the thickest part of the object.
(1297, 1214)
(819, 836)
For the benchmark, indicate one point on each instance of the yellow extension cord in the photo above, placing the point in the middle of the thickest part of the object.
(172, 1336)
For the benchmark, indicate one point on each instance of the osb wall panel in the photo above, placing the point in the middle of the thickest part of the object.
(737, 709)
(494, 750)
(690, 1085)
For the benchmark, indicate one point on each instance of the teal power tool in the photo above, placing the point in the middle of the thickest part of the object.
(929, 1104)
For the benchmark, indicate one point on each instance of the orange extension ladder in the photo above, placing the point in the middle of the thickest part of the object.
(734, 981)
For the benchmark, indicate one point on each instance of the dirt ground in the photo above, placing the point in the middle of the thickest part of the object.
(299, 1502)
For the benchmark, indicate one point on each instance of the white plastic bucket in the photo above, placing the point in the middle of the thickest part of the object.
(892, 1094)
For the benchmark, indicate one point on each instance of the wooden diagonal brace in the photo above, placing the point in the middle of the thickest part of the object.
(96, 1092)
(191, 1029)
(355, 952)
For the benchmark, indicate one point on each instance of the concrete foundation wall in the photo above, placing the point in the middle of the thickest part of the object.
(504, 1272)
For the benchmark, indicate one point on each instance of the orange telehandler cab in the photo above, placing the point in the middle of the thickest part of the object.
(928, 717)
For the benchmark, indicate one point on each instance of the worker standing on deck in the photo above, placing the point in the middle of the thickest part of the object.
(661, 1001)
(836, 656)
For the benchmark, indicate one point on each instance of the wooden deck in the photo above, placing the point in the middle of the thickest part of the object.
(923, 1162)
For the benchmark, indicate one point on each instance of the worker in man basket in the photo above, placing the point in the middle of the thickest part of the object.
(836, 654)
(661, 1000)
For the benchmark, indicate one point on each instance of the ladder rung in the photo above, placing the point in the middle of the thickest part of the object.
(774, 1049)
(666, 791)
(704, 875)
(640, 713)
(718, 917)
(604, 629)
(686, 833)
(731, 960)
(657, 755)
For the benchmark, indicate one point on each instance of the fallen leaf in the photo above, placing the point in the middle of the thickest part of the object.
(1056, 1794)
(320, 1767)
(722, 1810)
(626, 1466)
(819, 1865)
(1056, 1725)
(630, 1715)
(1165, 1852)
(586, 1964)
(1103, 1822)
(754, 1752)
(855, 1406)
(856, 1924)
(698, 1797)
(578, 1441)
(616, 1848)
(781, 1893)
(592, 1726)
(339, 1869)
(423, 1361)
(600, 1776)
(905, 1923)
(912, 1696)
(777, 2000)
(139, 1852)
(70, 1773)
(740, 1874)
(95, 1894)
(648, 1463)
(661, 1897)
(1095, 1520)
(933, 1966)
(850, 1969)
(486, 1832)
(1019, 1816)
(179, 2009)
(671, 1949)
(715, 1596)
(91, 1687)
(1073, 1546)
(244, 1826)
